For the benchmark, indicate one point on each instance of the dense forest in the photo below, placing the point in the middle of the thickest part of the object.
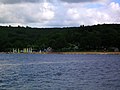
(105, 37)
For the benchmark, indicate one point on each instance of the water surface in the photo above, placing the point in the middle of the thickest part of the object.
(59, 72)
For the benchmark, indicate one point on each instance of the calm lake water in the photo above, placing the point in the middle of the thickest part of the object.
(59, 72)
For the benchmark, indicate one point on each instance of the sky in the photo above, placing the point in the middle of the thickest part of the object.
(58, 13)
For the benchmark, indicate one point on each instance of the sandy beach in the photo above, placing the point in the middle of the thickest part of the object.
(116, 53)
(84, 53)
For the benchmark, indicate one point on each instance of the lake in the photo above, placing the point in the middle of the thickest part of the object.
(59, 72)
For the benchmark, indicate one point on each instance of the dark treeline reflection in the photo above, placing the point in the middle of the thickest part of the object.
(104, 37)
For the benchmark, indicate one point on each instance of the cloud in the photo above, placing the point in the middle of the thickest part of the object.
(79, 14)
(79, 1)
(51, 13)
(18, 1)
(21, 13)
(114, 11)
(88, 16)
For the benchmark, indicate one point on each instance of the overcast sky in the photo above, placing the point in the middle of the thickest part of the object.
(58, 13)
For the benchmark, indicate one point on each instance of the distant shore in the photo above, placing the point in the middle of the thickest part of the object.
(90, 53)
(116, 53)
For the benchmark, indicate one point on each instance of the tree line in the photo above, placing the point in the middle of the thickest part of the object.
(105, 37)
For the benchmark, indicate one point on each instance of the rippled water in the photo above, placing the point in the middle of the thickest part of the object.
(59, 72)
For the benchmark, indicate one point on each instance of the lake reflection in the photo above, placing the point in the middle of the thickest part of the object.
(59, 72)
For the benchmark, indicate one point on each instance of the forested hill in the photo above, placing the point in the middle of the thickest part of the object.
(104, 37)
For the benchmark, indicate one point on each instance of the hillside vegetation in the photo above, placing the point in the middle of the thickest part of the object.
(104, 37)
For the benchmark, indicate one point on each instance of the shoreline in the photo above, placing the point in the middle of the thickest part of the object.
(99, 53)
(114, 53)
